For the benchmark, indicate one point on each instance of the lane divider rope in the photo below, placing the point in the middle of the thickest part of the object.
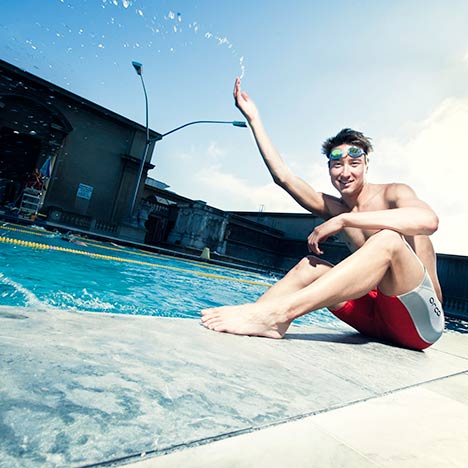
(141, 253)
(37, 245)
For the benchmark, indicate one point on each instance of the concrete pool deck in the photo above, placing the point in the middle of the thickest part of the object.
(88, 389)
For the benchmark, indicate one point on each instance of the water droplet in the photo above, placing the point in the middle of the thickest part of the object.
(101, 46)
(241, 63)
(208, 35)
(179, 18)
(171, 15)
(140, 12)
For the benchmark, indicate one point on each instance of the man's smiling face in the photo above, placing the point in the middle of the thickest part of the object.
(347, 174)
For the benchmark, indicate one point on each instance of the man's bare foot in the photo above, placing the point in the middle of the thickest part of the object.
(256, 319)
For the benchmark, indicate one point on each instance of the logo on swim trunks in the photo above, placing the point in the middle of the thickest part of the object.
(434, 306)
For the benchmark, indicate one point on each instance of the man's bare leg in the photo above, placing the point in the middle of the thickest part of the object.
(384, 261)
(308, 270)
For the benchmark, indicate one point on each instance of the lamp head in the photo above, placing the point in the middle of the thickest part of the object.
(238, 123)
(138, 67)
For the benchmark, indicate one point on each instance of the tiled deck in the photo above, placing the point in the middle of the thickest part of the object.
(84, 389)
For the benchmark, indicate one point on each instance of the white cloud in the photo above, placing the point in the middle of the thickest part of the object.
(185, 156)
(214, 151)
(433, 162)
(237, 194)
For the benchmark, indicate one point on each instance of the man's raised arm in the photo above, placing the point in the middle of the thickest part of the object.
(300, 190)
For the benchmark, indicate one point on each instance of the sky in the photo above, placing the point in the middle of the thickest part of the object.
(394, 69)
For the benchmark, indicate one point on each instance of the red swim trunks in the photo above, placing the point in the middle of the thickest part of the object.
(383, 317)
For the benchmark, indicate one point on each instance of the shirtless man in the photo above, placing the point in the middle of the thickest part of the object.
(386, 289)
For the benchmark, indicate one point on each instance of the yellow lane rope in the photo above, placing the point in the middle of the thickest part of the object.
(37, 245)
(84, 240)
(96, 244)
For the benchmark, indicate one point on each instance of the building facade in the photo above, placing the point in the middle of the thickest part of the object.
(87, 157)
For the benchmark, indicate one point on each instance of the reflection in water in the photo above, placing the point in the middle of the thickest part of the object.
(455, 324)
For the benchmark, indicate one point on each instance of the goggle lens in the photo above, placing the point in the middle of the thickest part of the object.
(353, 152)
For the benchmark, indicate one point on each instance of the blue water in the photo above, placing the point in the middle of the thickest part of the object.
(127, 281)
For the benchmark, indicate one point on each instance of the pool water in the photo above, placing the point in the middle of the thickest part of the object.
(39, 268)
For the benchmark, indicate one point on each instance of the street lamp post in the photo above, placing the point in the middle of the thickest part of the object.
(139, 70)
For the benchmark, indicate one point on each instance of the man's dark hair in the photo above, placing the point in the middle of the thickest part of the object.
(349, 137)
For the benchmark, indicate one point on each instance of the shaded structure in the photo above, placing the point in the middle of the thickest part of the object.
(89, 155)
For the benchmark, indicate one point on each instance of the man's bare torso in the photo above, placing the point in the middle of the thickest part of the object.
(377, 197)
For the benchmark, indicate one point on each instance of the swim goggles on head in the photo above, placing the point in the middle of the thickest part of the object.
(353, 152)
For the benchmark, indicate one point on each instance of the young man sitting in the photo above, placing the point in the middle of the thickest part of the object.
(387, 288)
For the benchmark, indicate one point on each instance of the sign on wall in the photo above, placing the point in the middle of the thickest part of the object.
(84, 191)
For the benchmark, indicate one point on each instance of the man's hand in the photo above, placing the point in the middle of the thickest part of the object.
(322, 232)
(244, 103)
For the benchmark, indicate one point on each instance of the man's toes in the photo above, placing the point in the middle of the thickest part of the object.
(210, 322)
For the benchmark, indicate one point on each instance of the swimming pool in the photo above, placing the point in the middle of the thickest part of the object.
(47, 269)
(98, 389)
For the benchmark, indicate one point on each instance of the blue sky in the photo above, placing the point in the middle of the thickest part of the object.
(396, 70)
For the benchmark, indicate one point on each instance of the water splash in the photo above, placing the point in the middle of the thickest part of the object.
(31, 299)
(82, 300)
(242, 66)
(169, 32)
(173, 24)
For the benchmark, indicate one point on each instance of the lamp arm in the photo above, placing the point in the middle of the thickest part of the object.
(230, 122)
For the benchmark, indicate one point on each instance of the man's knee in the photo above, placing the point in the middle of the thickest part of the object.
(390, 241)
(306, 261)
(311, 267)
(311, 261)
(305, 264)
